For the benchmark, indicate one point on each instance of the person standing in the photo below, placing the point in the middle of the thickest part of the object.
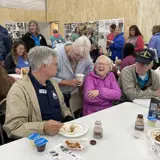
(116, 46)
(76, 35)
(5, 44)
(56, 38)
(155, 40)
(110, 36)
(33, 37)
(73, 59)
(136, 38)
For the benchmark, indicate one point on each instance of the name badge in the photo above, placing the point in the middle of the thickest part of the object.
(26, 62)
(42, 91)
(55, 96)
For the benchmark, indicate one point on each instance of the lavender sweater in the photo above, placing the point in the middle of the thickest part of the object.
(109, 90)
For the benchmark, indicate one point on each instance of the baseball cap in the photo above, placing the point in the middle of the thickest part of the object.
(146, 56)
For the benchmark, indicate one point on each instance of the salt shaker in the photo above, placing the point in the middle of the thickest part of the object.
(97, 130)
(139, 124)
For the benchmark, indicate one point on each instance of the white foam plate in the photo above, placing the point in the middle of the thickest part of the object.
(151, 132)
(80, 130)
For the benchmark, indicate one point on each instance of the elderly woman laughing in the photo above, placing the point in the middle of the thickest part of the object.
(100, 87)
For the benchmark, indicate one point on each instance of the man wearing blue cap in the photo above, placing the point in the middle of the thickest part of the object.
(139, 81)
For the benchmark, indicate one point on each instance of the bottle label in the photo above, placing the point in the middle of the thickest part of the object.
(139, 127)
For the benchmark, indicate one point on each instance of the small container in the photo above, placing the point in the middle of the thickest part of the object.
(32, 137)
(152, 121)
(139, 124)
(97, 130)
(41, 144)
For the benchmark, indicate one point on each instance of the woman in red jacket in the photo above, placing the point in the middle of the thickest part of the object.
(136, 38)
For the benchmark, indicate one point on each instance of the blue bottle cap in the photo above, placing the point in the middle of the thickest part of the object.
(152, 119)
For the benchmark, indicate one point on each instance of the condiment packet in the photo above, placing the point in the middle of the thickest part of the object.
(40, 141)
(32, 137)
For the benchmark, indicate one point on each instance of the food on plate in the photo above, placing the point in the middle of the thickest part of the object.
(72, 128)
(157, 138)
(24, 71)
(155, 133)
(73, 145)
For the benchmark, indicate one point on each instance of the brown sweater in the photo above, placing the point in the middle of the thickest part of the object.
(5, 83)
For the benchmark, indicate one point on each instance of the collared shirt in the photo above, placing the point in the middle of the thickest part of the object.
(36, 40)
(48, 100)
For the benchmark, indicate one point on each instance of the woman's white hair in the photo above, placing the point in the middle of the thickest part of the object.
(108, 61)
(82, 45)
(40, 55)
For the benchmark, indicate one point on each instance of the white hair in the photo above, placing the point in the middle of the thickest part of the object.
(108, 61)
(40, 55)
(82, 45)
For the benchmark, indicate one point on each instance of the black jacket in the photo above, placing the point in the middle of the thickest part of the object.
(10, 66)
(30, 42)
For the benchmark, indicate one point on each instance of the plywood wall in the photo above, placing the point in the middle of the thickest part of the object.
(148, 16)
(21, 15)
(65, 11)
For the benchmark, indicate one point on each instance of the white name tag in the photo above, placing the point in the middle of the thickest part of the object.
(26, 62)
(42, 91)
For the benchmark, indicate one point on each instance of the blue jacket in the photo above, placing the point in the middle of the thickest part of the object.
(155, 43)
(5, 43)
(117, 47)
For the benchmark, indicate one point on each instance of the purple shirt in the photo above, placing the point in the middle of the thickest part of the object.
(129, 60)
(109, 90)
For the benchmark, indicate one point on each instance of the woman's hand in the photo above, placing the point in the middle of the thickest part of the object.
(93, 93)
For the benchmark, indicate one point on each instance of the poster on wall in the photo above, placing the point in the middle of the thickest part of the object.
(101, 29)
(16, 29)
(69, 29)
(104, 30)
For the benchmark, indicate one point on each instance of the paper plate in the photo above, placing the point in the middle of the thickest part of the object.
(78, 130)
(153, 133)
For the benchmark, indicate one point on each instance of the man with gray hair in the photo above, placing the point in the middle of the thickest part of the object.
(73, 59)
(34, 103)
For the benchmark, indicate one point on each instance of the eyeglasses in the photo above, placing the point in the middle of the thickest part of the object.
(102, 64)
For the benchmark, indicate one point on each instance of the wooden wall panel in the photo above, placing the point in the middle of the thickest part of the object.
(21, 15)
(148, 16)
(65, 11)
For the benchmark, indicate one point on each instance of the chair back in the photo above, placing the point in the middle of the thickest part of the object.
(76, 103)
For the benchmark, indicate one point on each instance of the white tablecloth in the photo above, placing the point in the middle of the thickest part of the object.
(118, 142)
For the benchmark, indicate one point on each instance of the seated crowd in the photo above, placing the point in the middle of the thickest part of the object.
(40, 100)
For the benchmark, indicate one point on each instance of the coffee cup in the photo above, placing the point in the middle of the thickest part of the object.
(80, 77)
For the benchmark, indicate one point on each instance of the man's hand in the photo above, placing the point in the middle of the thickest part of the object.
(52, 127)
(157, 92)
